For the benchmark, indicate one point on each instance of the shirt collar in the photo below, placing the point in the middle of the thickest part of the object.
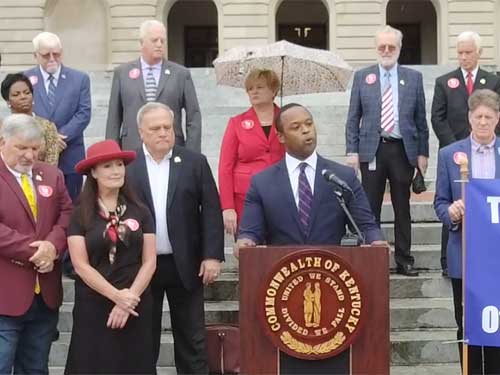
(393, 71)
(478, 147)
(474, 73)
(145, 65)
(148, 155)
(293, 163)
(16, 173)
(46, 75)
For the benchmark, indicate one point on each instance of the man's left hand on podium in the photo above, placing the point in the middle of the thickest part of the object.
(242, 242)
(379, 243)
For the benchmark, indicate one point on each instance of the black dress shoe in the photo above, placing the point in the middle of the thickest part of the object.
(445, 272)
(407, 270)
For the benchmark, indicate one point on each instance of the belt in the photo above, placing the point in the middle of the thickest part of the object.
(390, 140)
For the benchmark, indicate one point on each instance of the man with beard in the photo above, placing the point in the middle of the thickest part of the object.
(387, 136)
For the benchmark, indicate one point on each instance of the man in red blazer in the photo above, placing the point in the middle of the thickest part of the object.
(34, 213)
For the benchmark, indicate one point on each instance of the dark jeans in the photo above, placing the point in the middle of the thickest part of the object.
(476, 354)
(25, 340)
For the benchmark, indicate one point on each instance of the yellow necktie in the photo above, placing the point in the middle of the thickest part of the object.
(30, 196)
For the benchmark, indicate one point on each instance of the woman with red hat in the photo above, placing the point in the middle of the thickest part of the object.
(112, 246)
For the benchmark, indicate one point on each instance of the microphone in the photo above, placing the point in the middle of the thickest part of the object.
(331, 177)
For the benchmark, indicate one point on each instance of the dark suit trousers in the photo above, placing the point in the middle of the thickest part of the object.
(393, 165)
(476, 354)
(73, 184)
(187, 316)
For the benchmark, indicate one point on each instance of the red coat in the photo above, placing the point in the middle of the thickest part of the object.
(18, 229)
(245, 151)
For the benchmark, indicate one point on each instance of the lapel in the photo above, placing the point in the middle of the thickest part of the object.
(287, 192)
(41, 202)
(497, 158)
(41, 93)
(481, 75)
(165, 74)
(60, 89)
(11, 181)
(319, 190)
(138, 83)
(174, 174)
(462, 88)
(141, 173)
(402, 77)
(377, 85)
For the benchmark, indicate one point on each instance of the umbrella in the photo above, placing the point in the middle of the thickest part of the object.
(303, 70)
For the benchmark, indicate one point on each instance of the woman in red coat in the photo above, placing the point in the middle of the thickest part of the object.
(250, 144)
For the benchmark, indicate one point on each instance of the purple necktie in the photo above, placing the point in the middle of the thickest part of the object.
(305, 199)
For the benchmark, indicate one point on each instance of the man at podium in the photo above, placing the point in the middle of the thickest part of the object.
(292, 202)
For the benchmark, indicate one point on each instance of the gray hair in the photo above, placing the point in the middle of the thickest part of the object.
(21, 125)
(485, 97)
(470, 36)
(389, 29)
(150, 107)
(148, 25)
(46, 39)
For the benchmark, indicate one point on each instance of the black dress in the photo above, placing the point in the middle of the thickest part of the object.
(95, 348)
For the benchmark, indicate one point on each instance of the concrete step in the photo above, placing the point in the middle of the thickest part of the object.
(417, 347)
(169, 370)
(421, 212)
(421, 233)
(407, 348)
(215, 312)
(226, 288)
(415, 313)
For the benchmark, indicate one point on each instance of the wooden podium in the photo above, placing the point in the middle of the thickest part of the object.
(369, 351)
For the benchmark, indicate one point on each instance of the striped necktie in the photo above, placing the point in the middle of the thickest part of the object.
(305, 199)
(387, 115)
(150, 85)
(51, 93)
(30, 197)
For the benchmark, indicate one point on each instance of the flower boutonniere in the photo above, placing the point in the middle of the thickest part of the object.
(177, 159)
(167, 72)
(482, 81)
(38, 177)
(402, 82)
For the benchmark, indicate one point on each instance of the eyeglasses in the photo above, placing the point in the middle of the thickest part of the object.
(48, 55)
(384, 47)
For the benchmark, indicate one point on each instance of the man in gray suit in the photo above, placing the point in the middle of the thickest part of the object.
(387, 136)
(152, 78)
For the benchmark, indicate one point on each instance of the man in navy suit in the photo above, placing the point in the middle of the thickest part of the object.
(61, 95)
(449, 105)
(387, 136)
(278, 212)
(482, 150)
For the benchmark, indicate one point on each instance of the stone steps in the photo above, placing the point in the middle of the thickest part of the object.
(408, 347)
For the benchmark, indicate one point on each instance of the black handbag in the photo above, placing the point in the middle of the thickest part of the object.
(418, 184)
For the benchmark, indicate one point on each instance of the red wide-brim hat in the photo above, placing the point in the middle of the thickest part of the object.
(103, 151)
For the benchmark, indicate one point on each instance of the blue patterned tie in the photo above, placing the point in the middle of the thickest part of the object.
(51, 93)
(150, 86)
(305, 198)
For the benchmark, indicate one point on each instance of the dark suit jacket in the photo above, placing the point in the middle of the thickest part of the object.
(448, 190)
(449, 106)
(271, 217)
(363, 120)
(194, 216)
(71, 113)
(175, 89)
(18, 229)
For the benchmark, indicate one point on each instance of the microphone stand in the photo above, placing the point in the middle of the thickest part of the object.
(350, 239)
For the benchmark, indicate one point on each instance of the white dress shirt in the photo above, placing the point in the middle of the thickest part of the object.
(46, 76)
(474, 74)
(158, 174)
(293, 167)
(18, 175)
(155, 68)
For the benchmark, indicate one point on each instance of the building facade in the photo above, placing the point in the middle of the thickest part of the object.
(99, 34)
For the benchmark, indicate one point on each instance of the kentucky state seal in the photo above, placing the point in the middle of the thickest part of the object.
(312, 304)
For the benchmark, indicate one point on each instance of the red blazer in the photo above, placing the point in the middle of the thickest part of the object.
(18, 229)
(245, 151)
